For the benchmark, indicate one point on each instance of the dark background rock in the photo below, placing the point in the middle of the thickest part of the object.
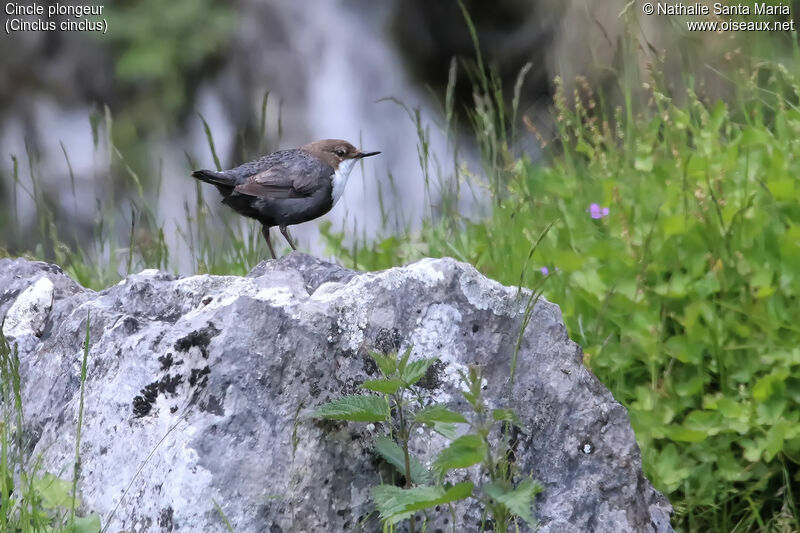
(209, 374)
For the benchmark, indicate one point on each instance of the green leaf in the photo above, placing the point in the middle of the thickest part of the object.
(753, 136)
(671, 468)
(415, 370)
(752, 449)
(386, 363)
(384, 386)
(396, 504)
(471, 397)
(472, 380)
(438, 413)
(644, 157)
(589, 280)
(356, 408)
(584, 148)
(673, 224)
(393, 454)
(774, 439)
(519, 500)
(445, 429)
(644, 163)
(718, 115)
(682, 434)
(782, 189)
(87, 524)
(53, 491)
(465, 451)
(768, 386)
(401, 364)
(508, 415)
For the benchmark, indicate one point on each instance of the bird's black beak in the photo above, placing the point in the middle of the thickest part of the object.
(366, 154)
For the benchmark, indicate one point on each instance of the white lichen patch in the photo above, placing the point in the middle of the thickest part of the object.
(208, 284)
(437, 335)
(351, 322)
(277, 296)
(215, 292)
(426, 271)
(437, 332)
(192, 479)
(350, 302)
(29, 312)
(327, 292)
(451, 375)
(222, 290)
(483, 293)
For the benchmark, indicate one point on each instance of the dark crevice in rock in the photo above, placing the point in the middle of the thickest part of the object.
(165, 519)
(130, 325)
(388, 340)
(432, 378)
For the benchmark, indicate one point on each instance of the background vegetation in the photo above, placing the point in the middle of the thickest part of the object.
(673, 249)
(666, 227)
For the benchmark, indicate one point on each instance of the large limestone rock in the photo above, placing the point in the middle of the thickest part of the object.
(195, 384)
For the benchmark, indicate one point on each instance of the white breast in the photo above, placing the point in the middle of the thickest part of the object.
(340, 178)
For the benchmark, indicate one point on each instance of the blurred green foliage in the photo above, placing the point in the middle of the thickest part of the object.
(162, 52)
(160, 47)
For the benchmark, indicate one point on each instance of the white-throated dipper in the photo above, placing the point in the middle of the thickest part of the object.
(287, 187)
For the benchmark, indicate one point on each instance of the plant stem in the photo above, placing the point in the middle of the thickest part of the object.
(404, 435)
(77, 464)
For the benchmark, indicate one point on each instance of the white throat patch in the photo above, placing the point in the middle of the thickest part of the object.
(340, 178)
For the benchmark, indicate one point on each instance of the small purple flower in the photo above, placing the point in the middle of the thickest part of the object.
(544, 270)
(597, 212)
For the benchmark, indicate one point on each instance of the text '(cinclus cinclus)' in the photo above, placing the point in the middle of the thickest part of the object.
(289, 186)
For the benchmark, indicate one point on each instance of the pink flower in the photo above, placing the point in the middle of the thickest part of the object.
(597, 212)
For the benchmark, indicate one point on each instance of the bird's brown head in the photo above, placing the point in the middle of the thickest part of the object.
(336, 151)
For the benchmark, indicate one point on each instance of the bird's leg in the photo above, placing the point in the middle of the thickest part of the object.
(265, 233)
(288, 239)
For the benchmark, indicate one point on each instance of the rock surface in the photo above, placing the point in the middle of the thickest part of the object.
(198, 382)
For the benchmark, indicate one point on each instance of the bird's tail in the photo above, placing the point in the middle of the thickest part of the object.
(224, 184)
(215, 178)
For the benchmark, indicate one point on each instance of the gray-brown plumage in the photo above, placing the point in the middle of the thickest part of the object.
(289, 186)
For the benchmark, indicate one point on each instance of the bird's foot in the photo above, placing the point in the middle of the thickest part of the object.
(285, 233)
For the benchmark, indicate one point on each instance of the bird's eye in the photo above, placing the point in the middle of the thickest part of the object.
(340, 152)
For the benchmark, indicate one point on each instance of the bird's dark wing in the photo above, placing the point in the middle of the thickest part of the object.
(274, 182)
(296, 174)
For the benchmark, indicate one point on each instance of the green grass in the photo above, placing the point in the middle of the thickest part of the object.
(684, 296)
(31, 499)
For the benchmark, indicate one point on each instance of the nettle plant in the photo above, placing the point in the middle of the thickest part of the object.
(396, 401)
